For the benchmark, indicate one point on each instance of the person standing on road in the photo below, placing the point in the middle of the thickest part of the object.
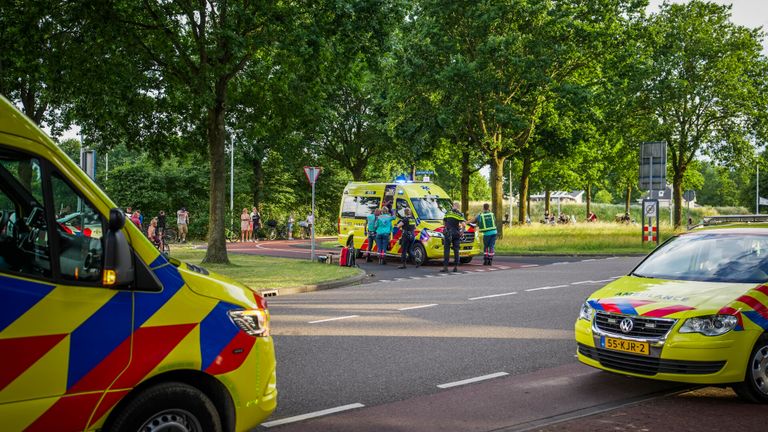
(291, 221)
(245, 225)
(486, 224)
(383, 227)
(454, 226)
(408, 226)
(255, 225)
(370, 232)
(161, 223)
(182, 220)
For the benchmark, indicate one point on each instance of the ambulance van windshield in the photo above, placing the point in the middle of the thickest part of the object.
(431, 208)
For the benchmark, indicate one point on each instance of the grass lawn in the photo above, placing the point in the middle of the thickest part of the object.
(262, 272)
(581, 238)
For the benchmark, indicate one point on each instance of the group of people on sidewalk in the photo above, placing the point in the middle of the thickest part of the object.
(379, 227)
(157, 225)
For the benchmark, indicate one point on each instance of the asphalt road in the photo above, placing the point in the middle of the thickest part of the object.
(394, 341)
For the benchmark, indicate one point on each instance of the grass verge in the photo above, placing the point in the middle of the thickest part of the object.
(262, 272)
(577, 239)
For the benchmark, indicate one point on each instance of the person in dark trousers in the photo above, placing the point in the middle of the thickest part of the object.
(370, 232)
(408, 226)
(161, 223)
(383, 228)
(486, 224)
(454, 226)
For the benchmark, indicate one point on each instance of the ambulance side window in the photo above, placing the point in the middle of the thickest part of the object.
(349, 206)
(79, 228)
(23, 228)
(366, 206)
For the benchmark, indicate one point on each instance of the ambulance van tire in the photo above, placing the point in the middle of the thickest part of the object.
(465, 260)
(754, 388)
(168, 406)
(419, 254)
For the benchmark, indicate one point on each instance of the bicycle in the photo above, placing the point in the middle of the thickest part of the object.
(170, 235)
(275, 231)
(231, 235)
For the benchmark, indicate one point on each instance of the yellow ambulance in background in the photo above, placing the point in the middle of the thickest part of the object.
(428, 203)
(98, 330)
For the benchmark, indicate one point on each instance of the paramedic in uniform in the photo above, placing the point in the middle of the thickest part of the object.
(486, 224)
(454, 226)
(408, 225)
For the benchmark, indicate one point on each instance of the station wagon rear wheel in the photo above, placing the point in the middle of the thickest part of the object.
(755, 385)
(168, 407)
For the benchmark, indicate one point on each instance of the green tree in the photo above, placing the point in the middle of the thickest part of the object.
(706, 86)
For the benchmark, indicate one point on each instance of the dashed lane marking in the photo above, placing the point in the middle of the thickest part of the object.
(529, 265)
(546, 288)
(312, 415)
(334, 319)
(417, 307)
(472, 380)
(493, 295)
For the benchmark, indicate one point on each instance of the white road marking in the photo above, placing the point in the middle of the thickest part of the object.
(616, 277)
(583, 282)
(429, 275)
(417, 307)
(588, 260)
(604, 280)
(612, 258)
(334, 319)
(312, 415)
(560, 263)
(529, 265)
(480, 270)
(472, 380)
(504, 267)
(492, 296)
(385, 280)
(546, 288)
(415, 277)
(399, 279)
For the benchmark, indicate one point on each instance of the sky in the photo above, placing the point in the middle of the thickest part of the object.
(747, 13)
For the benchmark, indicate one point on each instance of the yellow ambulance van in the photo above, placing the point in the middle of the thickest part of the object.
(98, 330)
(428, 203)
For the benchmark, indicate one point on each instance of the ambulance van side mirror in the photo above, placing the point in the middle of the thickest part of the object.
(118, 259)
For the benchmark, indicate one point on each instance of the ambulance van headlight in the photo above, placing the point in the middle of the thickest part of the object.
(710, 325)
(586, 312)
(253, 322)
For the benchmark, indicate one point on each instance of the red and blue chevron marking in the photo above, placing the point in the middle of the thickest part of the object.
(623, 306)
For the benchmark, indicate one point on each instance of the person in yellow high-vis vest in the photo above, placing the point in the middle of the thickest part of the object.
(486, 224)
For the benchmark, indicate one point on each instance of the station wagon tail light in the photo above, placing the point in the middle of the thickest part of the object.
(586, 312)
(710, 325)
(253, 322)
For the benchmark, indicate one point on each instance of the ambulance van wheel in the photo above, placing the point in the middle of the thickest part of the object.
(170, 406)
(754, 388)
(419, 254)
(465, 260)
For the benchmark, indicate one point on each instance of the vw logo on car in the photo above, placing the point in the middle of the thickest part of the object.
(626, 325)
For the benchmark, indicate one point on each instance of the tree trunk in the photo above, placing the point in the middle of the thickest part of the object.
(465, 182)
(497, 190)
(547, 197)
(629, 198)
(677, 192)
(525, 177)
(413, 172)
(357, 171)
(589, 199)
(217, 247)
(257, 166)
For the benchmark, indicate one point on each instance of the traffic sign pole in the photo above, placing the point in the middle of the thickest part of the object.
(312, 173)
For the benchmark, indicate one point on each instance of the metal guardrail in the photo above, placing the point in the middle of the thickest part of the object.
(719, 220)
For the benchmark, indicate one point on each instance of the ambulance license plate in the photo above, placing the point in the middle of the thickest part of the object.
(626, 346)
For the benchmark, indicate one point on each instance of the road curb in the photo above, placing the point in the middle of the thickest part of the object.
(338, 283)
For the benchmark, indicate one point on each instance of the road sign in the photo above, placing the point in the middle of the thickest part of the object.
(689, 195)
(650, 208)
(653, 165)
(312, 173)
(650, 221)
